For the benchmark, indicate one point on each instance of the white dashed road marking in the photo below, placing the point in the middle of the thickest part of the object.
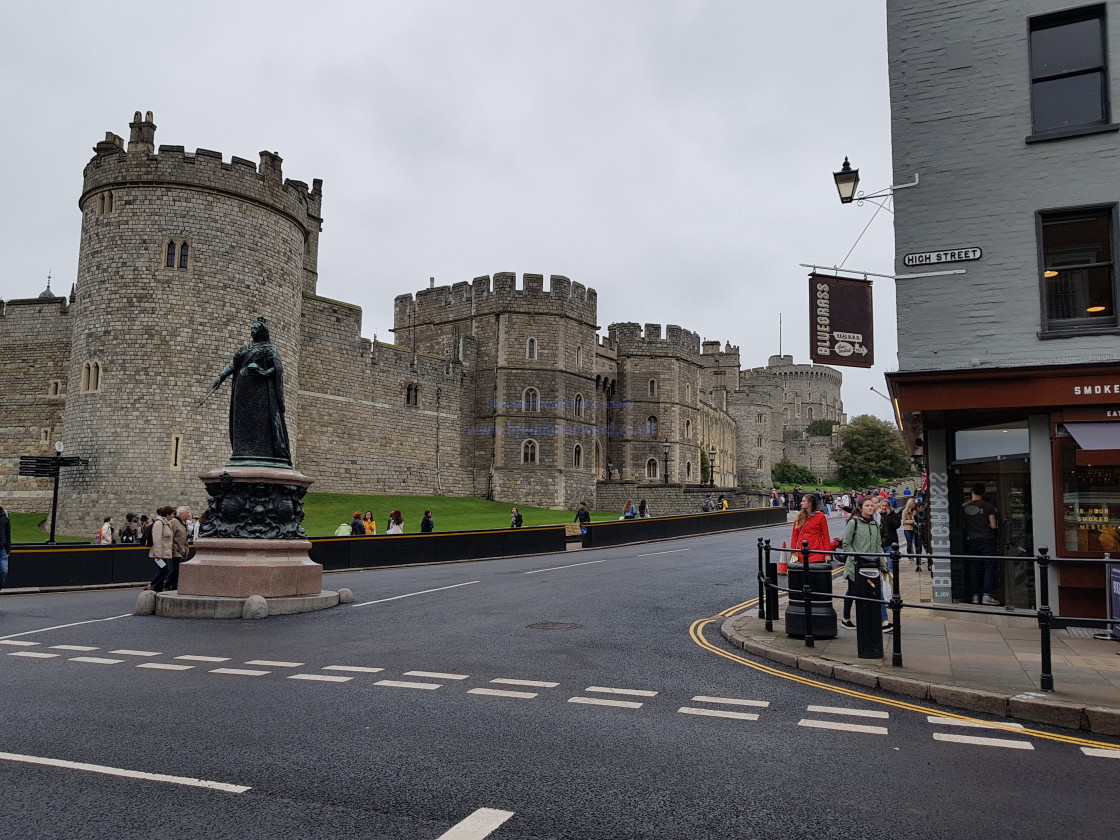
(944, 721)
(720, 713)
(598, 701)
(530, 683)
(410, 594)
(21, 643)
(1100, 753)
(357, 669)
(836, 710)
(134, 652)
(165, 666)
(117, 771)
(498, 692)
(401, 684)
(598, 689)
(568, 566)
(732, 701)
(843, 727)
(34, 654)
(435, 675)
(243, 672)
(983, 742)
(478, 825)
(320, 677)
(73, 647)
(204, 658)
(96, 660)
(272, 664)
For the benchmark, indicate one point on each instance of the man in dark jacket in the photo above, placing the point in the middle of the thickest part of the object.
(583, 515)
(5, 544)
(357, 527)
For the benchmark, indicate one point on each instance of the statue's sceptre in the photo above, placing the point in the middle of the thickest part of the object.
(211, 393)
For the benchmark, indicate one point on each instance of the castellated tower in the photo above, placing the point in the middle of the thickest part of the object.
(530, 425)
(179, 252)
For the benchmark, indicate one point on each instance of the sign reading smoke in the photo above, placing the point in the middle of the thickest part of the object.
(841, 321)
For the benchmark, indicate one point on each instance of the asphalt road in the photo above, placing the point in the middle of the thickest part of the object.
(558, 696)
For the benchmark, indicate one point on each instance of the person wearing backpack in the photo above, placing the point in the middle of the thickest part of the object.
(515, 519)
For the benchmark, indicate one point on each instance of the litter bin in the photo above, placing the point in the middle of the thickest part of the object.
(824, 614)
(869, 614)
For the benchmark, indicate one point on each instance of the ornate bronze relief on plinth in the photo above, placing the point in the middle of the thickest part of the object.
(261, 509)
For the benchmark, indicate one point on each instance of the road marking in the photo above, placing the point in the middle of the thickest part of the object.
(22, 644)
(358, 669)
(72, 647)
(652, 553)
(530, 683)
(984, 742)
(165, 666)
(273, 664)
(132, 774)
(498, 692)
(836, 710)
(60, 626)
(95, 660)
(410, 594)
(239, 671)
(569, 566)
(204, 658)
(734, 701)
(400, 684)
(1101, 753)
(598, 701)
(843, 727)
(598, 689)
(135, 652)
(478, 825)
(435, 675)
(722, 713)
(944, 721)
(320, 677)
(34, 654)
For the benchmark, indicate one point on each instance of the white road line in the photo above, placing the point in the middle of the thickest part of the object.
(497, 692)
(132, 774)
(478, 825)
(96, 660)
(944, 721)
(204, 658)
(273, 664)
(733, 701)
(843, 727)
(72, 647)
(597, 701)
(721, 713)
(400, 684)
(569, 566)
(674, 551)
(984, 742)
(320, 677)
(135, 652)
(165, 666)
(357, 669)
(836, 710)
(435, 675)
(22, 644)
(34, 654)
(1101, 753)
(410, 594)
(239, 671)
(530, 683)
(598, 689)
(60, 626)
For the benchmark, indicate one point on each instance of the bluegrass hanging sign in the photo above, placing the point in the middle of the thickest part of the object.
(841, 321)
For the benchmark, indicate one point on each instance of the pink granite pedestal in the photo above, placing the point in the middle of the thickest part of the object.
(238, 568)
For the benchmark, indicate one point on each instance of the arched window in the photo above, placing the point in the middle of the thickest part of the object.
(809, 413)
(101, 204)
(760, 442)
(578, 402)
(531, 348)
(760, 463)
(529, 452)
(760, 418)
(183, 255)
(651, 426)
(531, 400)
(579, 357)
(412, 395)
(688, 471)
(109, 202)
(653, 387)
(688, 430)
(651, 468)
(95, 376)
(170, 254)
(577, 457)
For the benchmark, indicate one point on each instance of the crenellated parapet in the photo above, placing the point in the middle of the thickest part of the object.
(631, 339)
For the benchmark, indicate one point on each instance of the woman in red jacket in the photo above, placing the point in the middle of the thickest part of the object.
(811, 524)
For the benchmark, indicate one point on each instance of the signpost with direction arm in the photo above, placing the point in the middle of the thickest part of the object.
(46, 466)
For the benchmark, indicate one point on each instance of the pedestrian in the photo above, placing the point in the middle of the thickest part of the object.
(583, 515)
(369, 523)
(515, 519)
(161, 548)
(145, 530)
(920, 536)
(5, 544)
(709, 504)
(980, 540)
(907, 517)
(628, 510)
(427, 524)
(643, 510)
(180, 541)
(723, 503)
(130, 533)
(343, 530)
(396, 523)
(774, 500)
(106, 534)
(862, 538)
(357, 527)
(828, 500)
(811, 525)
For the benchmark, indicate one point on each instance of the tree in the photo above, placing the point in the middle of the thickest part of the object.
(787, 472)
(705, 467)
(870, 449)
(820, 428)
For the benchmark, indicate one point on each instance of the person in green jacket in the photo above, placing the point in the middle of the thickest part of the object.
(862, 537)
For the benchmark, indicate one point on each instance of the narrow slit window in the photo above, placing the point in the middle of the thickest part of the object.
(176, 452)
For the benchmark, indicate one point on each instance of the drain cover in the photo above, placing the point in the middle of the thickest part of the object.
(554, 625)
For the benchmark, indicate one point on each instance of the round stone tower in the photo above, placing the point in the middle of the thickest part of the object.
(179, 252)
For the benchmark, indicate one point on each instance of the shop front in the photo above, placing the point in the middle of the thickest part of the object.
(1045, 444)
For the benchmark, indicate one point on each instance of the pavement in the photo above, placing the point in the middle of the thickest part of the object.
(989, 662)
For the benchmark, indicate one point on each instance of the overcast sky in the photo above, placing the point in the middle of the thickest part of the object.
(674, 156)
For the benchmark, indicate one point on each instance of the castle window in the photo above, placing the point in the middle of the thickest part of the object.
(651, 468)
(688, 392)
(577, 457)
(54, 388)
(91, 377)
(176, 453)
(531, 348)
(653, 387)
(651, 426)
(530, 400)
(101, 205)
(529, 452)
(183, 255)
(412, 395)
(760, 418)
(170, 255)
(109, 202)
(688, 471)
(44, 437)
(760, 442)
(687, 429)
(579, 357)
(809, 413)
(760, 463)
(578, 402)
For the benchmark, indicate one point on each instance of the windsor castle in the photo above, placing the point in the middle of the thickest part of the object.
(499, 387)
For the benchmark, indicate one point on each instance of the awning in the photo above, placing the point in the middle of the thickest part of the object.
(1095, 435)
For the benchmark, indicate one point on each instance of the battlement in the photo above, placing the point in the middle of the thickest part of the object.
(631, 340)
(711, 348)
(114, 166)
(784, 367)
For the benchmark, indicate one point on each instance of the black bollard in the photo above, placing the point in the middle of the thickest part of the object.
(821, 615)
(869, 623)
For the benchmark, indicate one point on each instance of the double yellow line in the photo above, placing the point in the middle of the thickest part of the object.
(696, 632)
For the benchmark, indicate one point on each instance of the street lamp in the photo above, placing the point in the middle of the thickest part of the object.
(847, 182)
(712, 463)
(665, 449)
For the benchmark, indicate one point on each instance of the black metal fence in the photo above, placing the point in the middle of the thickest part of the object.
(770, 592)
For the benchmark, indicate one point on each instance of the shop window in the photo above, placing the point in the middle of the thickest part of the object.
(1069, 71)
(1089, 506)
(651, 468)
(1078, 279)
(529, 452)
(531, 400)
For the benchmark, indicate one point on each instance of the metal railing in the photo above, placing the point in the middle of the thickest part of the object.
(770, 592)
